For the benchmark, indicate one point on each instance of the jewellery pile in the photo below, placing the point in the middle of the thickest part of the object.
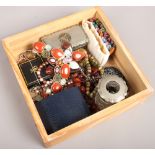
(63, 59)
(61, 63)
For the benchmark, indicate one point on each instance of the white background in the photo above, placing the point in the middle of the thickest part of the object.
(132, 129)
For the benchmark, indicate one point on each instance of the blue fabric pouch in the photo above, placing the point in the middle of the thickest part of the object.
(62, 109)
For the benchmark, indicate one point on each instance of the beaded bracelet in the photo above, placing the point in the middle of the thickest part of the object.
(48, 82)
(87, 62)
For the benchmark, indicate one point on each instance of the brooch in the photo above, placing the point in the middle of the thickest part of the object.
(61, 62)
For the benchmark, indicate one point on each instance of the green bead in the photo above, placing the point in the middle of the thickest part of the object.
(87, 62)
(91, 95)
(88, 74)
(95, 25)
(101, 71)
(87, 92)
(86, 59)
(103, 29)
(93, 64)
(89, 68)
(45, 54)
(88, 84)
(87, 88)
(81, 64)
(48, 47)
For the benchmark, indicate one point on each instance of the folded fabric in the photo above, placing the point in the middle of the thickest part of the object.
(95, 45)
(62, 109)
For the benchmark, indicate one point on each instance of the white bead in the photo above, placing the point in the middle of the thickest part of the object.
(48, 82)
(74, 65)
(48, 91)
(41, 79)
(38, 72)
(67, 60)
(70, 49)
(63, 81)
(37, 91)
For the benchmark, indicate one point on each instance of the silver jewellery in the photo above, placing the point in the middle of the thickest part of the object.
(111, 89)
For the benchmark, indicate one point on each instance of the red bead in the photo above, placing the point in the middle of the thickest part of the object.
(70, 85)
(94, 70)
(39, 46)
(75, 75)
(83, 89)
(49, 70)
(56, 87)
(78, 55)
(43, 94)
(76, 80)
(81, 76)
(57, 53)
(109, 39)
(77, 84)
(65, 71)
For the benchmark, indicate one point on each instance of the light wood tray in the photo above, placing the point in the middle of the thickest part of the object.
(139, 85)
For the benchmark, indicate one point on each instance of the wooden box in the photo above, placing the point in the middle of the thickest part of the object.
(140, 87)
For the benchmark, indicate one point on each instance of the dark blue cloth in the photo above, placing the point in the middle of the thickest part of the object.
(62, 109)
